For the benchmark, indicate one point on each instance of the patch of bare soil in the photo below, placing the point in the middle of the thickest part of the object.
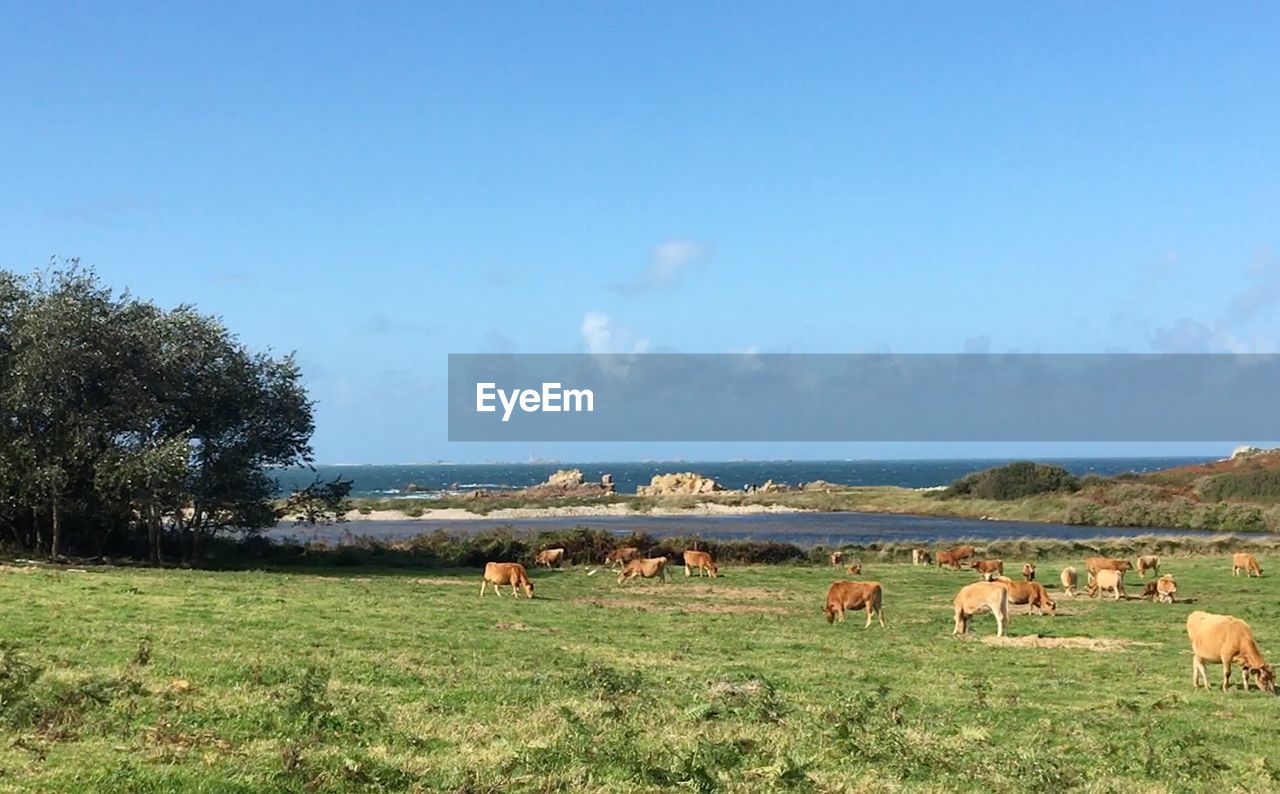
(1073, 643)
(737, 593)
(646, 605)
(446, 580)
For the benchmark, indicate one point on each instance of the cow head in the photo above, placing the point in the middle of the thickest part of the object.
(1029, 572)
(1264, 677)
(528, 588)
(1049, 605)
(1124, 565)
(714, 569)
(831, 613)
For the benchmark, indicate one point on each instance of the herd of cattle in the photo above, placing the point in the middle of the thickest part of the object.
(1214, 638)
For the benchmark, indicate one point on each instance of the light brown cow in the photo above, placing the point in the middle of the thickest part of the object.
(837, 557)
(962, 552)
(622, 556)
(702, 561)
(1225, 639)
(843, 596)
(648, 568)
(947, 558)
(1069, 581)
(1031, 593)
(549, 557)
(1107, 579)
(856, 568)
(512, 573)
(988, 569)
(1245, 562)
(1095, 564)
(1162, 590)
(920, 557)
(1029, 571)
(1148, 562)
(979, 597)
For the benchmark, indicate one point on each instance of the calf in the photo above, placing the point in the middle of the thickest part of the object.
(549, 557)
(500, 573)
(1245, 562)
(843, 596)
(856, 568)
(1224, 639)
(988, 569)
(1069, 581)
(647, 568)
(1029, 571)
(920, 557)
(1107, 580)
(962, 552)
(947, 558)
(1095, 564)
(622, 556)
(837, 557)
(980, 597)
(1148, 562)
(1162, 589)
(702, 561)
(1032, 594)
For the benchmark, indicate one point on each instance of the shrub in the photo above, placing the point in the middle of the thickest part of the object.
(1014, 481)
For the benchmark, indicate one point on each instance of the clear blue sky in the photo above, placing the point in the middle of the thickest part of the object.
(376, 186)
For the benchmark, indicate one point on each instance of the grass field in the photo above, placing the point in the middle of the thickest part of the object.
(177, 680)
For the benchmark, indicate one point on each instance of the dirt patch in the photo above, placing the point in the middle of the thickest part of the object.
(445, 580)
(741, 593)
(1074, 643)
(645, 605)
(614, 603)
(509, 626)
(731, 609)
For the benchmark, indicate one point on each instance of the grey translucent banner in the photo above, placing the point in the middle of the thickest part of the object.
(1025, 397)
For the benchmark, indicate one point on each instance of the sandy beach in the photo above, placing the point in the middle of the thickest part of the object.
(575, 511)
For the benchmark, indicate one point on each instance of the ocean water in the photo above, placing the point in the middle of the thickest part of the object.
(434, 481)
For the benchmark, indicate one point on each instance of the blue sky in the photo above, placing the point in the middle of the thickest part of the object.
(378, 186)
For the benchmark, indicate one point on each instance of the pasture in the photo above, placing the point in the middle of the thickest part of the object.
(147, 680)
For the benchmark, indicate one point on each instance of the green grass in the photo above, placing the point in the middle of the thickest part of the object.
(369, 680)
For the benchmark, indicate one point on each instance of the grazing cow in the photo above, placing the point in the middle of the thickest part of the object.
(947, 558)
(549, 557)
(1148, 562)
(988, 569)
(978, 597)
(855, 595)
(622, 556)
(855, 568)
(920, 557)
(648, 568)
(1245, 562)
(962, 552)
(1069, 581)
(1029, 571)
(1107, 580)
(1031, 593)
(702, 561)
(1162, 589)
(512, 573)
(837, 557)
(1095, 564)
(1224, 639)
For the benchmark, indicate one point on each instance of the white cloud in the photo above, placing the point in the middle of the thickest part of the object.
(669, 262)
(600, 335)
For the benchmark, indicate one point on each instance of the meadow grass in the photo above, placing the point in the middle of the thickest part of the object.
(151, 680)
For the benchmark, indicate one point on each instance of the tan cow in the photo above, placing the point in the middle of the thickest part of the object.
(1162, 590)
(648, 568)
(549, 557)
(947, 558)
(1148, 562)
(843, 596)
(856, 568)
(988, 569)
(1225, 639)
(500, 573)
(1245, 562)
(622, 556)
(837, 557)
(1031, 593)
(1029, 571)
(1069, 581)
(1107, 579)
(962, 552)
(1095, 564)
(920, 557)
(979, 597)
(702, 561)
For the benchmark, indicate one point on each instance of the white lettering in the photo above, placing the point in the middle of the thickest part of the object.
(551, 398)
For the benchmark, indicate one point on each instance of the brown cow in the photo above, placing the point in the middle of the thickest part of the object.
(947, 558)
(962, 552)
(648, 568)
(920, 557)
(855, 595)
(1029, 571)
(622, 556)
(1162, 590)
(837, 557)
(1095, 564)
(979, 597)
(1107, 579)
(1245, 562)
(549, 557)
(1148, 562)
(702, 561)
(1069, 581)
(988, 569)
(1224, 639)
(854, 568)
(500, 573)
(1031, 593)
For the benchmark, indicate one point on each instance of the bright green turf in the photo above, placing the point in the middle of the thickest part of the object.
(370, 680)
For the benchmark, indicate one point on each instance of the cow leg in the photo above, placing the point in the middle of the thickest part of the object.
(483, 582)
(870, 611)
(880, 614)
(687, 572)
(1226, 674)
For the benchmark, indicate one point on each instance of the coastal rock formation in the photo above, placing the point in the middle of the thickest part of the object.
(564, 478)
(1246, 452)
(679, 483)
(569, 482)
(818, 485)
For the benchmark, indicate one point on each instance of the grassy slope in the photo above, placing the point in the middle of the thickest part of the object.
(594, 687)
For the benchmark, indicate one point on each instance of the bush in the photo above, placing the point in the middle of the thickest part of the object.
(1255, 486)
(1014, 481)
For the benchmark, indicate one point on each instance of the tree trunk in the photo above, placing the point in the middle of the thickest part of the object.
(55, 547)
(153, 537)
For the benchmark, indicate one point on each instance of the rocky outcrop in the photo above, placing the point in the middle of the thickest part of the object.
(818, 485)
(679, 483)
(569, 482)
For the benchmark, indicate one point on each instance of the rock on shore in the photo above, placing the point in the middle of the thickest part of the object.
(679, 483)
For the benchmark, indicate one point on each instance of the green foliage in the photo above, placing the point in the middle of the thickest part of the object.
(1013, 481)
(1255, 486)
